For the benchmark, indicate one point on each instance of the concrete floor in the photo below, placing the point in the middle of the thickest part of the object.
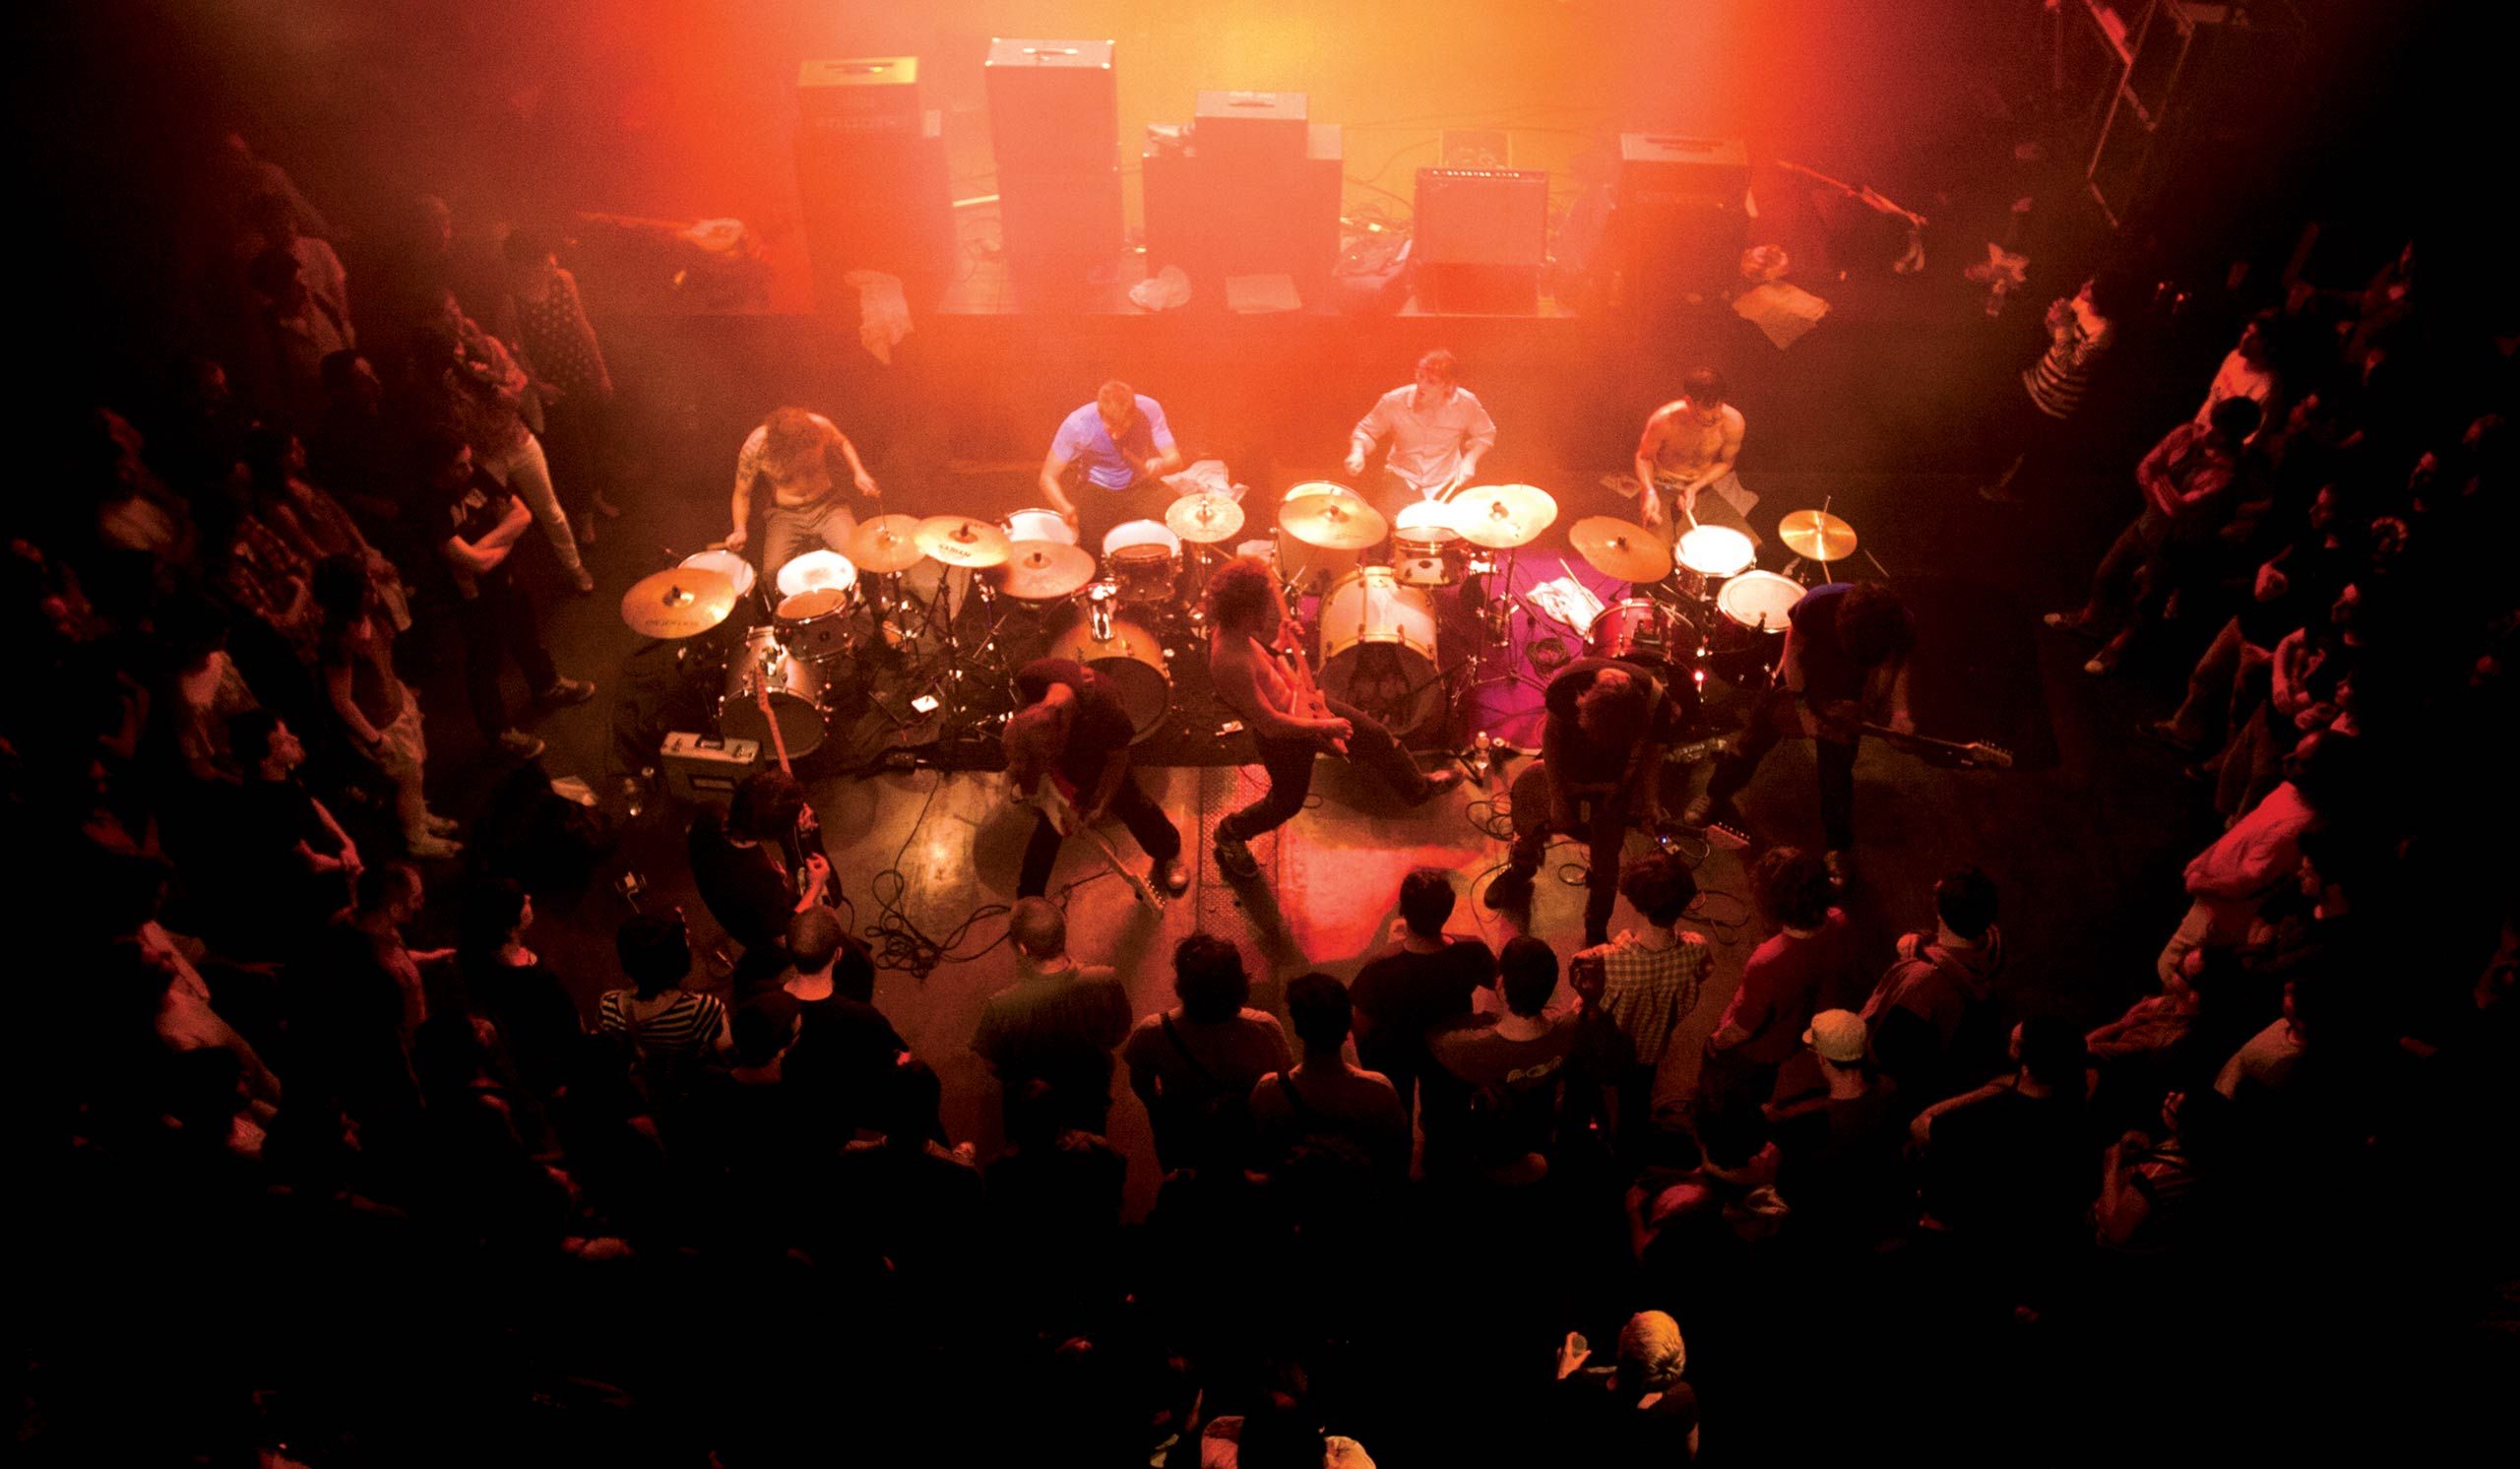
(2084, 836)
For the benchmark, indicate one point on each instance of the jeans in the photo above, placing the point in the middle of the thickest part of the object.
(1601, 820)
(498, 624)
(1773, 720)
(1155, 833)
(528, 475)
(1290, 766)
(790, 531)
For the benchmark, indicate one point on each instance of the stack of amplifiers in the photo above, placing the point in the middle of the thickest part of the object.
(1479, 238)
(1682, 217)
(1055, 123)
(871, 175)
(1247, 196)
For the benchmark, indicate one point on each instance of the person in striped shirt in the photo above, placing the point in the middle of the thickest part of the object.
(667, 1026)
(2080, 331)
(1651, 981)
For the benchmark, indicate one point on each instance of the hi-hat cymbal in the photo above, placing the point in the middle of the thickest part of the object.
(1501, 517)
(678, 602)
(1333, 522)
(886, 545)
(1205, 518)
(1816, 535)
(959, 541)
(1046, 570)
(1620, 549)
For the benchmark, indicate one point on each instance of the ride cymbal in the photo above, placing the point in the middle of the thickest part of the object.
(1046, 570)
(959, 541)
(677, 602)
(1205, 518)
(886, 545)
(1620, 549)
(1816, 535)
(1333, 522)
(1502, 517)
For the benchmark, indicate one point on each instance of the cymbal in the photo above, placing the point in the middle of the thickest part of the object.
(1501, 517)
(1333, 522)
(886, 545)
(959, 541)
(1620, 549)
(678, 602)
(1816, 535)
(1205, 518)
(1046, 570)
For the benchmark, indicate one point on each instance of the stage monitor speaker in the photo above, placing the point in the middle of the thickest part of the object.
(1479, 238)
(1256, 128)
(860, 94)
(1052, 105)
(875, 200)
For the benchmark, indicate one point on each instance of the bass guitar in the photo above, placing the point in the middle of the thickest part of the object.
(1533, 795)
(1977, 754)
(1052, 799)
(805, 838)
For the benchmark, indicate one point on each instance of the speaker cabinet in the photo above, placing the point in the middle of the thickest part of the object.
(1480, 239)
(871, 180)
(1052, 105)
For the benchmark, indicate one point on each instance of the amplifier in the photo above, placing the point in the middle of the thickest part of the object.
(702, 770)
(1216, 219)
(859, 94)
(1052, 104)
(1250, 127)
(1662, 169)
(1482, 217)
(1680, 218)
(879, 200)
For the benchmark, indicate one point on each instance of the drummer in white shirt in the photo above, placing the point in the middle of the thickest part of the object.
(1438, 431)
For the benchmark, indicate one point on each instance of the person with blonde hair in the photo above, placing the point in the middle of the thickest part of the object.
(1639, 1411)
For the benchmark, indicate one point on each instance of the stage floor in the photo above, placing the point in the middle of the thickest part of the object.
(2085, 834)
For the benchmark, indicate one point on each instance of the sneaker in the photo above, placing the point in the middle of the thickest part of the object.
(1841, 866)
(1233, 855)
(430, 849)
(442, 826)
(1698, 812)
(1441, 781)
(604, 508)
(1510, 890)
(2066, 622)
(1171, 874)
(517, 745)
(566, 691)
(583, 580)
(2102, 664)
(585, 528)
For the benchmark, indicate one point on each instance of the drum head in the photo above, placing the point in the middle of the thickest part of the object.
(821, 602)
(726, 563)
(1759, 600)
(1038, 525)
(817, 568)
(1426, 520)
(1147, 533)
(1716, 551)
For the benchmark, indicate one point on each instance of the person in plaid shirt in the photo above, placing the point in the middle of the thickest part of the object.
(1652, 979)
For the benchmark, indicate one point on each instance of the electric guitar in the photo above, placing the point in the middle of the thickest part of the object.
(1977, 754)
(1532, 798)
(806, 837)
(1310, 701)
(1052, 799)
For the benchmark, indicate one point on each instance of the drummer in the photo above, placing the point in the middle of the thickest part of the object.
(1438, 431)
(798, 455)
(1688, 448)
(1116, 449)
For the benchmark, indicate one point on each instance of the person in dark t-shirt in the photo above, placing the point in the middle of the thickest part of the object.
(1074, 732)
(1498, 1082)
(1424, 980)
(1841, 641)
(1603, 742)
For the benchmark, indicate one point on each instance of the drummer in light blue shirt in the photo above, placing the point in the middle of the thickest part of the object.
(1114, 449)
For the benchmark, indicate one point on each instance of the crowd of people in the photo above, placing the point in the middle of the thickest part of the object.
(388, 1203)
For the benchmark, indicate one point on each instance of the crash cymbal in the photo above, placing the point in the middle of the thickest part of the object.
(959, 541)
(1333, 522)
(1501, 517)
(1618, 549)
(1816, 535)
(1205, 518)
(886, 545)
(1046, 570)
(678, 602)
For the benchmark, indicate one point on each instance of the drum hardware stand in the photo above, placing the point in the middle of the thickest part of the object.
(966, 665)
(1496, 617)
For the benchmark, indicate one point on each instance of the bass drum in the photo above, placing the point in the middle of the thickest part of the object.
(800, 695)
(1125, 652)
(1641, 630)
(1378, 649)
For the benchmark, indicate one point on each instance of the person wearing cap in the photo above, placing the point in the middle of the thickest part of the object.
(1840, 1137)
(1641, 1412)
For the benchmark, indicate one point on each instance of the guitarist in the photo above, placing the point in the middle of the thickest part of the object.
(1261, 674)
(1602, 745)
(1074, 732)
(1846, 646)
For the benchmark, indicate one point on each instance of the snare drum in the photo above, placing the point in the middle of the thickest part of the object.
(1755, 605)
(1708, 556)
(1124, 652)
(1144, 557)
(813, 624)
(1039, 525)
(1425, 549)
(800, 690)
(1378, 649)
(1641, 630)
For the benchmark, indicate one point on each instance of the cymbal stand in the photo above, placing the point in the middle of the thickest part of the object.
(1495, 616)
(969, 663)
